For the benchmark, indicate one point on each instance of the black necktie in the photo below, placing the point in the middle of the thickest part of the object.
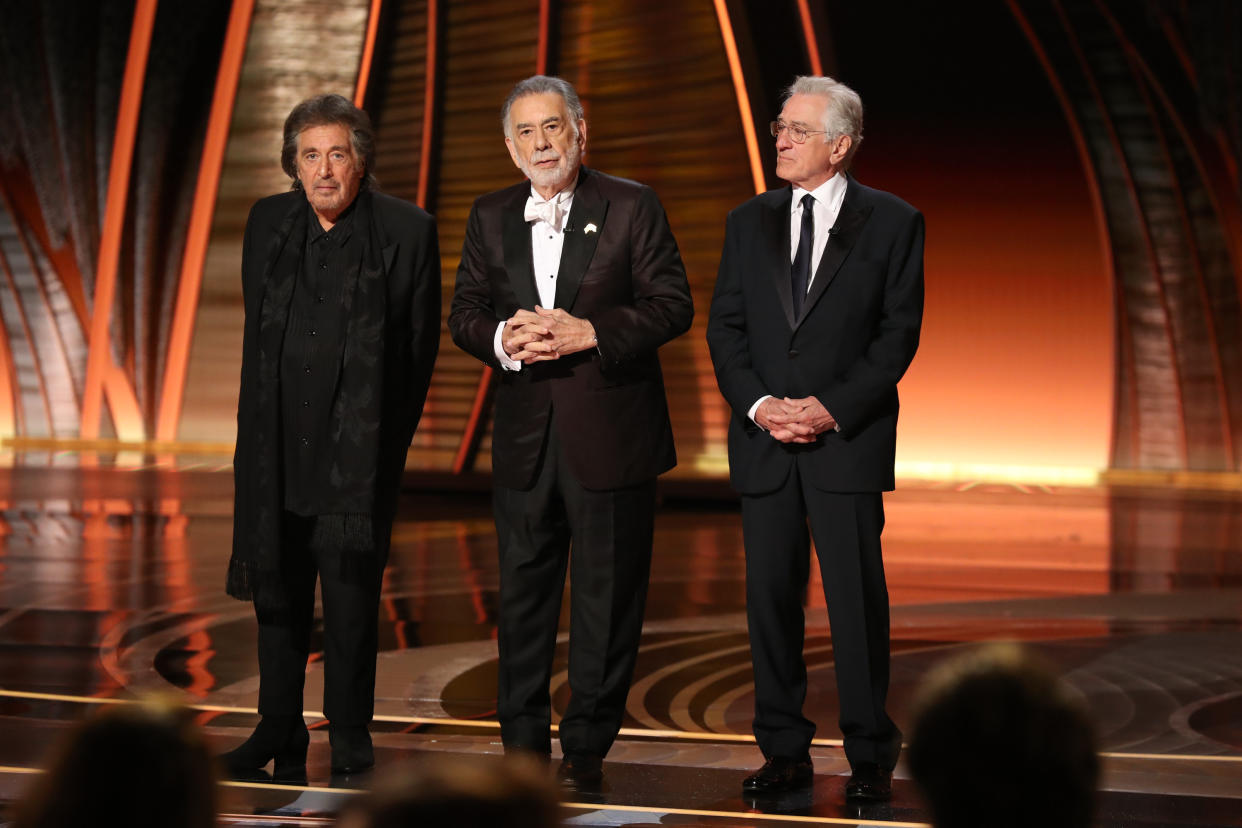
(800, 271)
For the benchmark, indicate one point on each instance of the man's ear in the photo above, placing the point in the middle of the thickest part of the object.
(512, 152)
(840, 149)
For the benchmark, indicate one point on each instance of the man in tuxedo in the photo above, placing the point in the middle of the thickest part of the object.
(814, 319)
(568, 285)
(341, 286)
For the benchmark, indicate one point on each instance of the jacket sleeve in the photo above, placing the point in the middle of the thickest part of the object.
(425, 311)
(727, 335)
(854, 396)
(472, 315)
(662, 308)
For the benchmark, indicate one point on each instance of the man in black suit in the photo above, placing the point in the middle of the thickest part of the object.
(341, 286)
(814, 319)
(568, 285)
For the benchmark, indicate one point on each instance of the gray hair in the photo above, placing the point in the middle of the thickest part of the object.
(538, 85)
(326, 110)
(843, 114)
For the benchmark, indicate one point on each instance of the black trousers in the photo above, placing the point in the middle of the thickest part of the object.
(611, 535)
(846, 528)
(350, 622)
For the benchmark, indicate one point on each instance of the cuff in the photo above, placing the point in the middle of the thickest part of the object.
(755, 407)
(505, 361)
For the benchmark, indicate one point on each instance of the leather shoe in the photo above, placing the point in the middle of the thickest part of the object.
(579, 770)
(282, 739)
(351, 748)
(869, 783)
(780, 774)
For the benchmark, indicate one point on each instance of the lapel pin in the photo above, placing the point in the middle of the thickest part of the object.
(590, 228)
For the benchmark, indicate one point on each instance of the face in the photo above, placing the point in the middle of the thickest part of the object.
(812, 163)
(542, 142)
(330, 172)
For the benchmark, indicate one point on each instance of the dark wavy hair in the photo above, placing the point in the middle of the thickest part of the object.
(139, 765)
(1000, 718)
(324, 110)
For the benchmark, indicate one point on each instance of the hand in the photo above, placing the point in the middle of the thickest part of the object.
(526, 338)
(567, 334)
(780, 420)
(799, 420)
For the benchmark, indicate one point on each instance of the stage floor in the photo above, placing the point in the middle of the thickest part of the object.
(111, 587)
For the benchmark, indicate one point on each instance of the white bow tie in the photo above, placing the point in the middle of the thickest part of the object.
(546, 211)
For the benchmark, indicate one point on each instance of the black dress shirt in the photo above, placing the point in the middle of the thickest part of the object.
(310, 361)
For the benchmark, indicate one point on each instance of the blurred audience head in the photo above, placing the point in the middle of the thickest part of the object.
(999, 741)
(456, 792)
(135, 765)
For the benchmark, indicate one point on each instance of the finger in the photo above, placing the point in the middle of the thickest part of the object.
(524, 316)
(559, 314)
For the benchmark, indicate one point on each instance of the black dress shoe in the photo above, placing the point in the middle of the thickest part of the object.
(579, 770)
(780, 774)
(869, 784)
(351, 748)
(283, 739)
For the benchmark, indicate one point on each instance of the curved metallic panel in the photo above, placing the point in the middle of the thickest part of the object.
(191, 281)
(108, 261)
(296, 48)
(1179, 352)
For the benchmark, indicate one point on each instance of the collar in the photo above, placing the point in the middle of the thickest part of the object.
(341, 230)
(561, 197)
(830, 194)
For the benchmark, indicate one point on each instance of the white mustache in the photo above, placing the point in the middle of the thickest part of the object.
(537, 157)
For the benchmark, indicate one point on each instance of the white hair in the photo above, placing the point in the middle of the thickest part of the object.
(843, 114)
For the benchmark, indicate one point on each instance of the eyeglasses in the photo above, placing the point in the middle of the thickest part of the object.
(796, 133)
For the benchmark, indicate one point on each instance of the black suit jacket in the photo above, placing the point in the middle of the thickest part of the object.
(398, 281)
(621, 269)
(858, 331)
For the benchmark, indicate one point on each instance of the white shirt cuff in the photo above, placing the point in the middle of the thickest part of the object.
(755, 408)
(505, 361)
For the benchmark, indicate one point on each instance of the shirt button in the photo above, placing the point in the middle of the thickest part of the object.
(319, 299)
(311, 332)
(793, 352)
(306, 403)
(323, 265)
(306, 441)
(306, 368)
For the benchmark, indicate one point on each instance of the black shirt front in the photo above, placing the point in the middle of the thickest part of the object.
(310, 360)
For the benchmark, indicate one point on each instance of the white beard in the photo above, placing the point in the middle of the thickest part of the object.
(558, 177)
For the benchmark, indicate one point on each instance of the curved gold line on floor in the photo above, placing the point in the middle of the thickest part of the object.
(635, 732)
(579, 806)
(650, 809)
(264, 819)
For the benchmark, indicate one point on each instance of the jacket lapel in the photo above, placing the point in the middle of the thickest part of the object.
(519, 264)
(845, 233)
(775, 235)
(583, 228)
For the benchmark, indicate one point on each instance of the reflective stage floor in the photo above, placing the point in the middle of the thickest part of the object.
(111, 588)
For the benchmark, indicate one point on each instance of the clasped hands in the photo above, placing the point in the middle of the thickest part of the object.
(545, 333)
(794, 421)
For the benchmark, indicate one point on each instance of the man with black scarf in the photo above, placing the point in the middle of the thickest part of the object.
(342, 297)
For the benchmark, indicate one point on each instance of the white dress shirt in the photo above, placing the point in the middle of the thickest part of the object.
(546, 243)
(828, 198)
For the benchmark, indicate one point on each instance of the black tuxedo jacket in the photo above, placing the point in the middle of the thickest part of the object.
(858, 331)
(621, 269)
